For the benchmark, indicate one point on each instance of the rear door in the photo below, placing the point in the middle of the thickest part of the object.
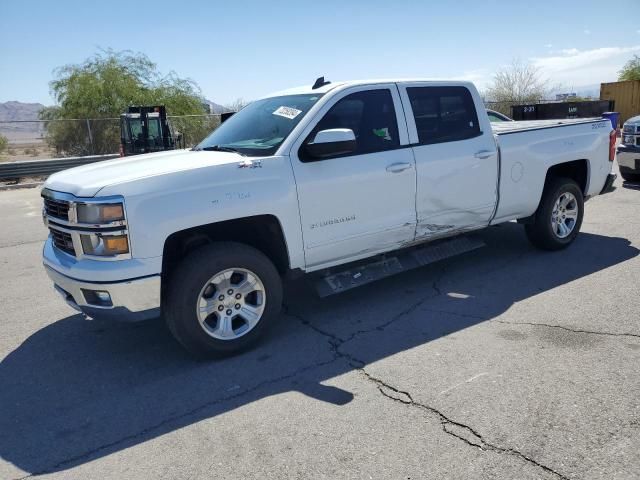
(356, 205)
(456, 158)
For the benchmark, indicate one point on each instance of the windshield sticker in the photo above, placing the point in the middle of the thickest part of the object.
(382, 133)
(287, 112)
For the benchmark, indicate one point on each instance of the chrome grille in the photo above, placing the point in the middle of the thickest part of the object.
(63, 241)
(56, 208)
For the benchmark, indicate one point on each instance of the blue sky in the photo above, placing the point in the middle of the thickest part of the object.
(246, 49)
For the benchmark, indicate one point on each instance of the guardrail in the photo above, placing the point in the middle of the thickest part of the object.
(30, 168)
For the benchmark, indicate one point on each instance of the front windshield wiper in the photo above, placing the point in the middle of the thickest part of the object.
(221, 148)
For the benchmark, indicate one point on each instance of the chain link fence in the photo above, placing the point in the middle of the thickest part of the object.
(41, 139)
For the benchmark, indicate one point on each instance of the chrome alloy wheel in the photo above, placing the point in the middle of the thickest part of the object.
(231, 303)
(564, 215)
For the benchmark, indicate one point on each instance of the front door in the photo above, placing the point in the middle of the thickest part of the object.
(359, 204)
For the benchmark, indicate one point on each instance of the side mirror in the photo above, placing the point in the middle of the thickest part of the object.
(334, 141)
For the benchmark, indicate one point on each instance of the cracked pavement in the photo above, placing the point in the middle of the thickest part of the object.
(505, 362)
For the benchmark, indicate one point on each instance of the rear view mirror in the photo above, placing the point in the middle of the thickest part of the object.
(331, 142)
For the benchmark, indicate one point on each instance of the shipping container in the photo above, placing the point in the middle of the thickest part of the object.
(559, 110)
(626, 96)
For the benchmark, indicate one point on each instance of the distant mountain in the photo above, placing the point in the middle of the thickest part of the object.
(29, 111)
(19, 111)
(12, 111)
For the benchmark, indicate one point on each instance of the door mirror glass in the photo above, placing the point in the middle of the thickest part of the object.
(332, 142)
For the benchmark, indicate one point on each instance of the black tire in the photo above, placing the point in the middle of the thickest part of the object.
(630, 177)
(193, 273)
(541, 232)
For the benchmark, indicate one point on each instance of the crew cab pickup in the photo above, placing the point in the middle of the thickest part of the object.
(314, 178)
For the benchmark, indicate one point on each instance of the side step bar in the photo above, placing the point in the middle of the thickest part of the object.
(355, 276)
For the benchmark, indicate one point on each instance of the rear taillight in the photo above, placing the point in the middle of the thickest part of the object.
(121, 150)
(612, 145)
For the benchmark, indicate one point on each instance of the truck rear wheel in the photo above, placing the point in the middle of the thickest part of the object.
(221, 298)
(558, 219)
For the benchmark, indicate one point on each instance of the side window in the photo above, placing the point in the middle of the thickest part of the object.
(443, 114)
(371, 116)
(494, 118)
(153, 127)
(136, 128)
(124, 128)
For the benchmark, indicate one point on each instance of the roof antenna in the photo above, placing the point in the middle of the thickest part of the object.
(320, 82)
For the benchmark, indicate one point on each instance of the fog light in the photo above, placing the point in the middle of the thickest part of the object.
(98, 298)
(103, 296)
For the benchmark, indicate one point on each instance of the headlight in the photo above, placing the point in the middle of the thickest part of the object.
(104, 245)
(100, 213)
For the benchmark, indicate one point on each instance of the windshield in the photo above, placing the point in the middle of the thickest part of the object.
(260, 127)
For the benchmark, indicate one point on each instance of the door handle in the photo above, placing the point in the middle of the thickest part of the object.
(482, 154)
(398, 167)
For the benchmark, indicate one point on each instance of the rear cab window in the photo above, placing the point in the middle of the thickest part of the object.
(443, 114)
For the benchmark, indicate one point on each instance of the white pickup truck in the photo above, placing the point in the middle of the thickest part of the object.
(341, 179)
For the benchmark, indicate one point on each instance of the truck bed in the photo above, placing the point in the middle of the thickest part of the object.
(505, 128)
(538, 145)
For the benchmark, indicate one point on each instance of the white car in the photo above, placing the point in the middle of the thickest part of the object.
(307, 180)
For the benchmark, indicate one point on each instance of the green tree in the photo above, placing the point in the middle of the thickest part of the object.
(3, 143)
(631, 69)
(101, 88)
(519, 83)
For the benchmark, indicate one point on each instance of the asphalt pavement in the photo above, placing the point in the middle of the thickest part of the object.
(503, 363)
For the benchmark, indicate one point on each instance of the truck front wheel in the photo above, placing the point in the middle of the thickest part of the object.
(557, 221)
(221, 298)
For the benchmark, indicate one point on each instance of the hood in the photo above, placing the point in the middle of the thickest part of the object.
(633, 120)
(88, 180)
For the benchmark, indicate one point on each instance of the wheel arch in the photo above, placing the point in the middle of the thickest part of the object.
(577, 170)
(263, 232)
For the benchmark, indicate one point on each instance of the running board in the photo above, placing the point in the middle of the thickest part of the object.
(356, 276)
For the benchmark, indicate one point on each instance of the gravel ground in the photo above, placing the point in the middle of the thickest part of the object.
(506, 362)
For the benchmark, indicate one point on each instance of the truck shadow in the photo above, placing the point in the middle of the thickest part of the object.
(78, 390)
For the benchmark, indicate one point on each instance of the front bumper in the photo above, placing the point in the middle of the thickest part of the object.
(628, 157)
(129, 300)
